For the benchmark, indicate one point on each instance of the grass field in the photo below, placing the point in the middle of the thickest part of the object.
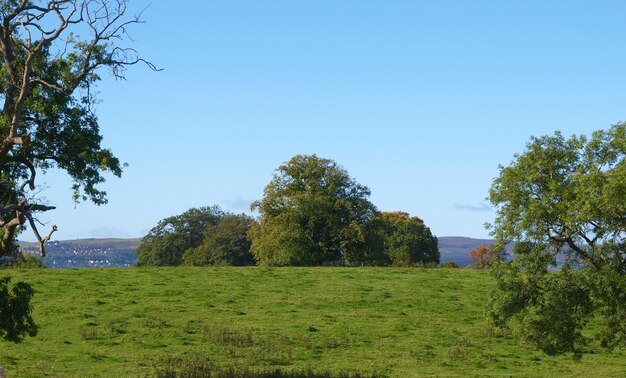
(131, 322)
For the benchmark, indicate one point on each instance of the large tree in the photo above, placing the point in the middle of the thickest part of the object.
(405, 240)
(563, 203)
(51, 53)
(312, 213)
(165, 244)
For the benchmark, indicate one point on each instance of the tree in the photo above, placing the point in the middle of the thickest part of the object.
(47, 72)
(312, 213)
(484, 256)
(15, 311)
(562, 203)
(172, 236)
(225, 243)
(50, 55)
(406, 240)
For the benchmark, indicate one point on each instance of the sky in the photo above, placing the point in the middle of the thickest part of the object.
(420, 101)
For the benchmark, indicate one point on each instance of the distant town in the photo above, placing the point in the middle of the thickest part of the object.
(95, 253)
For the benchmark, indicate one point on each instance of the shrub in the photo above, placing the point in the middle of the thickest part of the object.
(449, 264)
(27, 260)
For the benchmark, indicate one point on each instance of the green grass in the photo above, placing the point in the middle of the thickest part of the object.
(383, 321)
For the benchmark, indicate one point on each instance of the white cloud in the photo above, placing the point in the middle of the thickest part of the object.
(467, 207)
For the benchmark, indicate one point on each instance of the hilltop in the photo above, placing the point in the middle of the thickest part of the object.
(116, 252)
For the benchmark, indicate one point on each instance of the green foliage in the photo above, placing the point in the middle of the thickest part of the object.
(47, 75)
(563, 199)
(405, 240)
(225, 243)
(609, 294)
(546, 309)
(172, 236)
(312, 213)
(28, 261)
(15, 311)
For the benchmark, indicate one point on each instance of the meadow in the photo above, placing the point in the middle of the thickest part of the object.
(396, 322)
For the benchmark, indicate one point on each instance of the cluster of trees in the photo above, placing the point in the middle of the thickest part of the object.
(312, 213)
(199, 236)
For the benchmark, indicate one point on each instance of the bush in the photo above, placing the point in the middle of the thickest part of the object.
(484, 256)
(449, 264)
(27, 260)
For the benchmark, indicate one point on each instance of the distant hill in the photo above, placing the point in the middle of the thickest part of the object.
(83, 253)
(456, 248)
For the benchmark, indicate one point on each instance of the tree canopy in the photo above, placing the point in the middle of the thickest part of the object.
(406, 240)
(562, 203)
(224, 243)
(50, 55)
(172, 236)
(312, 213)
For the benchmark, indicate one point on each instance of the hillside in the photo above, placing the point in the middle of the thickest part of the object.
(83, 253)
(457, 248)
(135, 322)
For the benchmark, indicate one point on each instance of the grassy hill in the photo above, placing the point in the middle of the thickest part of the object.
(83, 253)
(386, 321)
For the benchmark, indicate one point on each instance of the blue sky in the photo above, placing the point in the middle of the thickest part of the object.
(418, 100)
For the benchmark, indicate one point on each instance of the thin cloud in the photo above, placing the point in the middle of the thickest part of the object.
(108, 232)
(238, 204)
(467, 207)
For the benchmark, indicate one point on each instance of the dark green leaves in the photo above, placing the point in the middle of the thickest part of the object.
(172, 236)
(15, 311)
(225, 243)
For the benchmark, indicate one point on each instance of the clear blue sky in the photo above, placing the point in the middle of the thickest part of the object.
(418, 100)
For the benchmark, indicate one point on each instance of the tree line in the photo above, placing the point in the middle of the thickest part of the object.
(312, 213)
